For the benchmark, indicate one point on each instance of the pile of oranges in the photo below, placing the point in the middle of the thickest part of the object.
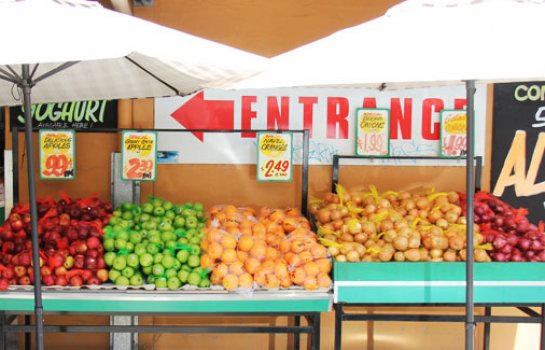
(271, 249)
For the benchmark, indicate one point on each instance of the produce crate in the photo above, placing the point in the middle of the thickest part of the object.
(426, 282)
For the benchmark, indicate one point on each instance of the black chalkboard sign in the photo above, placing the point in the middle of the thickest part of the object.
(74, 115)
(518, 169)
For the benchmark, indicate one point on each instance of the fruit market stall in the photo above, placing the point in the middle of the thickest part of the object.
(156, 256)
(400, 249)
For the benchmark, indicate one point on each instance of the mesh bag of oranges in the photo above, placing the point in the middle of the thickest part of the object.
(271, 249)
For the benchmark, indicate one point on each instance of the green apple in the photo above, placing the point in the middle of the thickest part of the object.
(160, 282)
(135, 237)
(147, 208)
(167, 261)
(127, 272)
(179, 222)
(147, 270)
(136, 280)
(146, 260)
(158, 270)
(205, 283)
(183, 240)
(170, 214)
(113, 274)
(140, 249)
(109, 258)
(109, 244)
(157, 258)
(130, 247)
(120, 262)
(182, 256)
(127, 215)
(120, 244)
(170, 273)
(194, 278)
(116, 213)
(133, 260)
(193, 261)
(177, 264)
(158, 211)
(150, 279)
(173, 283)
(121, 281)
(168, 236)
(183, 275)
(170, 245)
(144, 217)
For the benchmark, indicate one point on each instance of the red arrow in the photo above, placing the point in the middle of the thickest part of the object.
(197, 113)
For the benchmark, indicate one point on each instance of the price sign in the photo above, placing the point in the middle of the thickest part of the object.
(453, 142)
(373, 132)
(274, 156)
(57, 154)
(139, 155)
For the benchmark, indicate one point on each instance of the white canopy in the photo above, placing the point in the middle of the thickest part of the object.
(119, 56)
(422, 43)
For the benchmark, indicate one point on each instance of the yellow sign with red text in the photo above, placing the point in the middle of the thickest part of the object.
(139, 155)
(57, 154)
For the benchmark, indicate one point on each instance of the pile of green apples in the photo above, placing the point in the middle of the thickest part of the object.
(157, 243)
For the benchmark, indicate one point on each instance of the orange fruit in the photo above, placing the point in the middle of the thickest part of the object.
(228, 242)
(230, 209)
(259, 236)
(324, 265)
(277, 215)
(318, 251)
(293, 212)
(236, 268)
(285, 246)
(216, 279)
(267, 266)
(298, 276)
(272, 282)
(286, 282)
(259, 228)
(297, 246)
(221, 270)
(311, 268)
(281, 270)
(252, 264)
(289, 224)
(306, 257)
(215, 250)
(206, 261)
(245, 280)
(245, 243)
(271, 253)
(309, 284)
(323, 280)
(229, 255)
(230, 282)
(242, 256)
(204, 244)
(258, 250)
(260, 277)
(214, 235)
(294, 260)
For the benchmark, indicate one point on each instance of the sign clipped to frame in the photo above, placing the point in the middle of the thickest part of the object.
(274, 156)
(373, 132)
(57, 154)
(139, 155)
(453, 140)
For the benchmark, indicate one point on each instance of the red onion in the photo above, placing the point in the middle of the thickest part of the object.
(524, 244)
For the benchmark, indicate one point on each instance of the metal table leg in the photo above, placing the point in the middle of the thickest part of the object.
(542, 340)
(3, 338)
(28, 339)
(486, 341)
(296, 338)
(338, 326)
(316, 325)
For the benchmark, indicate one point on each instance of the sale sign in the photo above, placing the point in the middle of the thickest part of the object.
(57, 154)
(139, 155)
(453, 133)
(274, 156)
(373, 132)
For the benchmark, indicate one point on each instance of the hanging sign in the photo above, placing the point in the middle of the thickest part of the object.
(139, 155)
(274, 156)
(373, 132)
(57, 154)
(453, 134)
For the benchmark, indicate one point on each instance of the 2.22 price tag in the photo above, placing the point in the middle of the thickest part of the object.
(57, 154)
(139, 155)
(274, 156)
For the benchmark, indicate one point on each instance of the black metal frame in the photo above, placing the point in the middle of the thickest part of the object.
(313, 320)
(305, 138)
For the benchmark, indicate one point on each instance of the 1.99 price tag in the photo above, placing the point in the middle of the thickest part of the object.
(373, 132)
(274, 156)
(139, 155)
(453, 133)
(57, 154)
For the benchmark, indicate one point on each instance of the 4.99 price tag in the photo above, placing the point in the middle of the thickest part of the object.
(274, 156)
(373, 132)
(57, 154)
(139, 155)
(453, 134)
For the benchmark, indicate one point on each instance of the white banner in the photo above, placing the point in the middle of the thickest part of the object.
(329, 114)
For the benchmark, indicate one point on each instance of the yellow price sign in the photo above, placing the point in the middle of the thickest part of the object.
(57, 154)
(139, 155)
(274, 156)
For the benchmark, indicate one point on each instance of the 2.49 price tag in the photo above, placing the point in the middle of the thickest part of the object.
(274, 156)
(57, 154)
(139, 155)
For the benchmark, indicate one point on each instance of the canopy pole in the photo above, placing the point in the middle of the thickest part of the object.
(470, 191)
(26, 85)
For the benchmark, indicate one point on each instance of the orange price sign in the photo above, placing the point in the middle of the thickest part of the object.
(57, 154)
(274, 156)
(139, 155)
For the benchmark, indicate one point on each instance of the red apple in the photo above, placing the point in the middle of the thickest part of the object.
(60, 271)
(86, 274)
(25, 259)
(8, 273)
(61, 280)
(102, 275)
(92, 253)
(19, 270)
(100, 262)
(79, 261)
(76, 281)
(4, 283)
(68, 262)
(17, 225)
(93, 242)
(24, 280)
(45, 271)
(48, 280)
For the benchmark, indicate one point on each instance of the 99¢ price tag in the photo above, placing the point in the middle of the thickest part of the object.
(373, 132)
(139, 155)
(57, 154)
(453, 133)
(274, 156)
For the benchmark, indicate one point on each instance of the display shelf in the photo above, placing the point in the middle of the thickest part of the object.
(428, 282)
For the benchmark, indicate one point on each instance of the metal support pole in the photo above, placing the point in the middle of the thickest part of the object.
(296, 337)
(542, 338)
(338, 326)
(470, 190)
(486, 341)
(26, 85)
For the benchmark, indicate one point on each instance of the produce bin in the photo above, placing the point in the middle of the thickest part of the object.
(432, 282)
